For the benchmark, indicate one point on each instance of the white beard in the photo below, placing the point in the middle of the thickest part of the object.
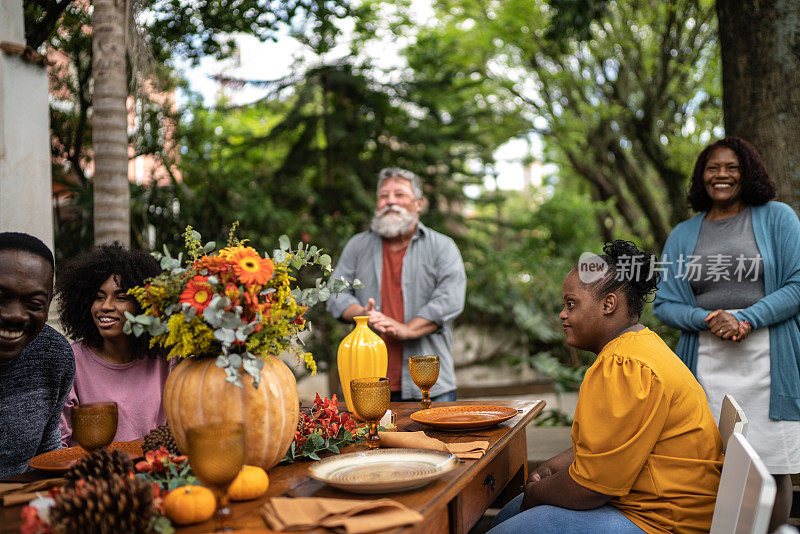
(393, 221)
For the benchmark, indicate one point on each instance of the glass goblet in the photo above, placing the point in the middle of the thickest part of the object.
(371, 400)
(424, 372)
(216, 454)
(94, 424)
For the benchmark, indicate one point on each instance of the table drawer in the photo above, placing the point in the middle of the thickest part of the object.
(476, 497)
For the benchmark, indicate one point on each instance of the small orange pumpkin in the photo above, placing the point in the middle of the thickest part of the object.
(251, 482)
(190, 504)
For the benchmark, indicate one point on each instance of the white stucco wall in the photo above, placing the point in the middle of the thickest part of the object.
(25, 182)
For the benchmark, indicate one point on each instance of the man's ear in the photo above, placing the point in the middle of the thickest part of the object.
(422, 204)
(610, 303)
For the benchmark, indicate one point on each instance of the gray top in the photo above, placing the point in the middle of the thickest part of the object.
(33, 388)
(434, 285)
(726, 270)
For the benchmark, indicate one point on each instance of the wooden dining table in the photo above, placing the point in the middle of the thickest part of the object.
(452, 503)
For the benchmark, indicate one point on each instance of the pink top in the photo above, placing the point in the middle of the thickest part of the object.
(136, 387)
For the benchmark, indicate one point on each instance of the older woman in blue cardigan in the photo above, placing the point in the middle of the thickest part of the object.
(732, 286)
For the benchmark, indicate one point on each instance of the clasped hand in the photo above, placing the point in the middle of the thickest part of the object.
(725, 326)
(385, 324)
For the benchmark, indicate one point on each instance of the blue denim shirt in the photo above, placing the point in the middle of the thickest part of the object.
(434, 285)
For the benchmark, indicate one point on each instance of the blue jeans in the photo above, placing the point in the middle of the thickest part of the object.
(450, 396)
(546, 519)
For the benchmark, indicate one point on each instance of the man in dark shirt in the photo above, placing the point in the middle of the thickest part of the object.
(36, 362)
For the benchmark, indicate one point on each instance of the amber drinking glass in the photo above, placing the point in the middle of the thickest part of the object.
(371, 400)
(424, 372)
(94, 424)
(216, 454)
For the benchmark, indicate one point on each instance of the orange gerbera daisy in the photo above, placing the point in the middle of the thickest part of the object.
(198, 293)
(248, 265)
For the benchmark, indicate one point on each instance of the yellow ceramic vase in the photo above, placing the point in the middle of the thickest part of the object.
(362, 354)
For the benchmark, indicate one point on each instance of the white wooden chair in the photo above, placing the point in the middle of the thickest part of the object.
(746, 491)
(731, 419)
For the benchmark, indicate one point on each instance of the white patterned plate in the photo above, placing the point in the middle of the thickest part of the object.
(382, 470)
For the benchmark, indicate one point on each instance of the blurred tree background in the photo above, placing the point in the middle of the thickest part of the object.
(614, 99)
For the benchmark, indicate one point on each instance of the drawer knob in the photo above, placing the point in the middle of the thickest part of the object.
(489, 481)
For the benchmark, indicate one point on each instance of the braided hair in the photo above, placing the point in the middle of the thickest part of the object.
(631, 271)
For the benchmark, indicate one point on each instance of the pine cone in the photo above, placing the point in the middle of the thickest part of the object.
(100, 464)
(119, 504)
(161, 437)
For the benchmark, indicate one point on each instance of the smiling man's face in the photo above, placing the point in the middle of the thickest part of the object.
(26, 287)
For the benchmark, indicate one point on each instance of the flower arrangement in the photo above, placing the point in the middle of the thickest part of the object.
(322, 429)
(233, 303)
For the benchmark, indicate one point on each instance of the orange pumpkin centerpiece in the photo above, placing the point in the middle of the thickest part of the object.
(197, 393)
(190, 504)
(251, 483)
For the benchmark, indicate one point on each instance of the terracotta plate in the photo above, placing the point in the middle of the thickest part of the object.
(382, 470)
(464, 417)
(60, 460)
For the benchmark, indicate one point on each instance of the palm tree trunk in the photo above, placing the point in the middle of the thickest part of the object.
(110, 124)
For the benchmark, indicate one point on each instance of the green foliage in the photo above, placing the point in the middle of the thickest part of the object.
(316, 444)
(521, 247)
(624, 108)
(166, 471)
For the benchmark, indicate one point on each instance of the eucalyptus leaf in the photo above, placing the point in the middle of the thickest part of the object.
(324, 260)
(278, 255)
(189, 313)
(358, 284)
(209, 247)
(235, 361)
(337, 285)
(284, 243)
(144, 320)
(138, 330)
(224, 335)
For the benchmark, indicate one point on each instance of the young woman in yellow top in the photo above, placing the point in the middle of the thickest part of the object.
(646, 454)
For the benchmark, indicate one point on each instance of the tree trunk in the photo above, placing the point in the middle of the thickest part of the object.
(110, 124)
(760, 42)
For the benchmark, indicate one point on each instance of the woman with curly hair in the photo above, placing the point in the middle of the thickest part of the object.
(732, 286)
(109, 364)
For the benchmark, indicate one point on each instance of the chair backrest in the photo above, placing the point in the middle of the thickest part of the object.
(731, 419)
(746, 491)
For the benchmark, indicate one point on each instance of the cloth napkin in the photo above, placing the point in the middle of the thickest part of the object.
(344, 515)
(12, 493)
(471, 450)
(12, 499)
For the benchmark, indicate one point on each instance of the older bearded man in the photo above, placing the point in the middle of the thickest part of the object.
(414, 284)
